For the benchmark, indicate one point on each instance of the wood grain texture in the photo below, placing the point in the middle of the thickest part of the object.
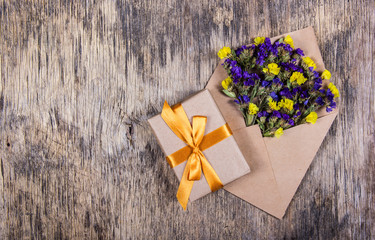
(78, 79)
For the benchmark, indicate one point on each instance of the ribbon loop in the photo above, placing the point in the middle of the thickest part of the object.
(193, 136)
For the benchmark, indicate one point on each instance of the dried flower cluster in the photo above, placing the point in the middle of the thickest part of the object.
(276, 85)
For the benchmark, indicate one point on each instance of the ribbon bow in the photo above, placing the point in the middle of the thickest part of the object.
(196, 142)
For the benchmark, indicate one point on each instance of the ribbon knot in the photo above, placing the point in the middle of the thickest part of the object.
(196, 150)
(193, 136)
(195, 164)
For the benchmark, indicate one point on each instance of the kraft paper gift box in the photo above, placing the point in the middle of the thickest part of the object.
(225, 156)
(277, 165)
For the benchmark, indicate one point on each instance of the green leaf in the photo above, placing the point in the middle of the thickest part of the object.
(229, 94)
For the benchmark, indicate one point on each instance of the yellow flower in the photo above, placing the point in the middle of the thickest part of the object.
(272, 68)
(309, 62)
(286, 103)
(312, 117)
(297, 76)
(259, 40)
(289, 40)
(326, 74)
(253, 109)
(226, 82)
(224, 52)
(273, 105)
(301, 80)
(334, 90)
(279, 132)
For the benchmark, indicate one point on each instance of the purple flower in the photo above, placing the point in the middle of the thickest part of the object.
(300, 52)
(332, 104)
(296, 90)
(277, 81)
(311, 69)
(254, 76)
(274, 51)
(285, 65)
(276, 114)
(329, 95)
(274, 96)
(233, 63)
(246, 99)
(262, 53)
(246, 75)
(263, 114)
(294, 67)
(260, 61)
(304, 94)
(320, 101)
(236, 72)
(285, 117)
(291, 122)
(297, 114)
(318, 80)
(267, 42)
(266, 83)
(242, 99)
(235, 69)
(317, 86)
(249, 83)
(316, 74)
(306, 102)
(288, 48)
(251, 77)
(239, 101)
(240, 50)
(286, 93)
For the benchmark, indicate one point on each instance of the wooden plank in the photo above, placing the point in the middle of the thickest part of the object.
(79, 79)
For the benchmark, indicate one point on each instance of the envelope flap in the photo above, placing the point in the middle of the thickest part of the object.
(292, 154)
(259, 187)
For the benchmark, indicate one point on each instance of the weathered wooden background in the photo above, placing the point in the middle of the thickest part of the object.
(80, 78)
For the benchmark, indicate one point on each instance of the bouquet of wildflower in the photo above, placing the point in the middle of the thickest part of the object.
(275, 85)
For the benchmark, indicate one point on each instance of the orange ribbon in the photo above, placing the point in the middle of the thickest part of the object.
(196, 142)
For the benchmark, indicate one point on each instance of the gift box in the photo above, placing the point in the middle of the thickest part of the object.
(223, 155)
(278, 165)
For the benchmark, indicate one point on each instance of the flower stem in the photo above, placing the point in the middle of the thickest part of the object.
(249, 119)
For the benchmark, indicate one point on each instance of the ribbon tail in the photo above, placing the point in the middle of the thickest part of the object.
(185, 187)
(195, 168)
(212, 178)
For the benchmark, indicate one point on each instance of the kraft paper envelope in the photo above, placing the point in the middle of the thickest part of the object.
(277, 165)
